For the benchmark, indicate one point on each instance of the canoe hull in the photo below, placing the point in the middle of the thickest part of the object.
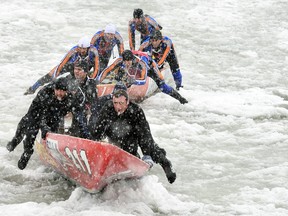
(90, 164)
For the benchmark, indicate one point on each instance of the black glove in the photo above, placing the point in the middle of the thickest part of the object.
(86, 135)
(178, 87)
(44, 132)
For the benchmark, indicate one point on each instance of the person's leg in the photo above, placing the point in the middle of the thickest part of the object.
(28, 147)
(43, 80)
(69, 67)
(19, 134)
(175, 68)
(173, 93)
(166, 88)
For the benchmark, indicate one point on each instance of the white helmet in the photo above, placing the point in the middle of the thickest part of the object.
(110, 28)
(84, 42)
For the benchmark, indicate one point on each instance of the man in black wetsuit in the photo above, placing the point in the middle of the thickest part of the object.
(125, 125)
(50, 105)
(100, 102)
(82, 87)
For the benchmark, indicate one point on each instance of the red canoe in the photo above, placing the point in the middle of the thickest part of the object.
(90, 164)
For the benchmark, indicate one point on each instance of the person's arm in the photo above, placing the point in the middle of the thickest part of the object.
(120, 43)
(98, 130)
(95, 55)
(79, 116)
(153, 22)
(64, 61)
(131, 35)
(39, 107)
(156, 69)
(95, 37)
(168, 44)
(110, 68)
(144, 47)
(140, 78)
(91, 91)
(143, 131)
(96, 108)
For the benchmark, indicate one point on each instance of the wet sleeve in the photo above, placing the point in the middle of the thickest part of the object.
(120, 43)
(39, 107)
(116, 64)
(91, 92)
(131, 35)
(64, 61)
(168, 44)
(95, 55)
(98, 131)
(144, 134)
(153, 22)
(79, 115)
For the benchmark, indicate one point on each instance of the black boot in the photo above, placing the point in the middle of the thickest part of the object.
(12, 145)
(167, 167)
(178, 97)
(28, 143)
(22, 163)
(159, 156)
(30, 90)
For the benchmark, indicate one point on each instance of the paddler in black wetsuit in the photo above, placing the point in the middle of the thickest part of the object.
(99, 104)
(82, 87)
(50, 105)
(125, 125)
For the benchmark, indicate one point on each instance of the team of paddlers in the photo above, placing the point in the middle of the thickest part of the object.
(70, 87)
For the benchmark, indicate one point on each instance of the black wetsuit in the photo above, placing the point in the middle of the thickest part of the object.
(95, 110)
(45, 113)
(86, 94)
(128, 131)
